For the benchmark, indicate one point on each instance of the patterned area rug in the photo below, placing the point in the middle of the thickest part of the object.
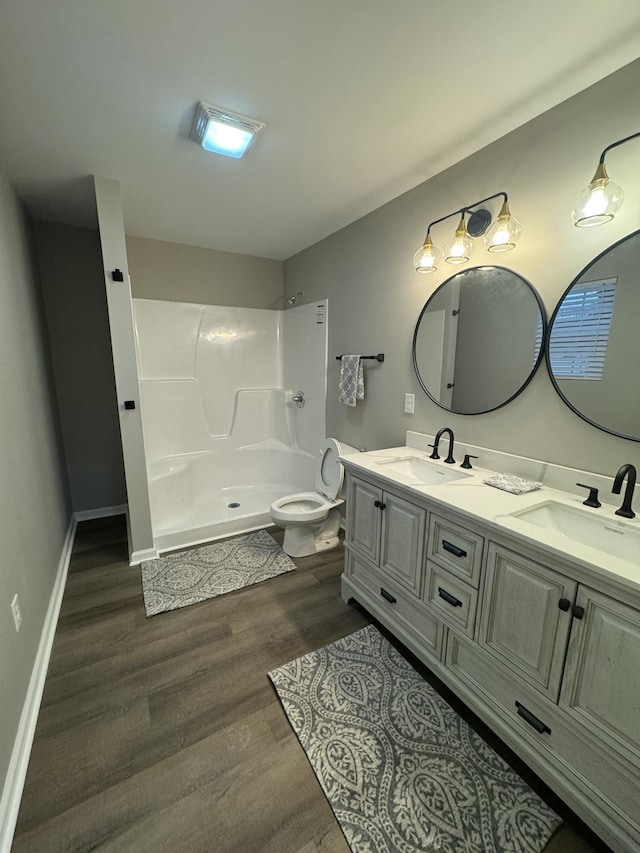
(186, 577)
(402, 771)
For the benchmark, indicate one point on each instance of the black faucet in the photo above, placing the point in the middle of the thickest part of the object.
(435, 455)
(629, 472)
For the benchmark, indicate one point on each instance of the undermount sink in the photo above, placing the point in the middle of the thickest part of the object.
(421, 472)
(613, 537)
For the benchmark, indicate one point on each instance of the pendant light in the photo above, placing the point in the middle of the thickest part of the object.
(457, 249)
(504, 233)
(427, 258)
(602, 198)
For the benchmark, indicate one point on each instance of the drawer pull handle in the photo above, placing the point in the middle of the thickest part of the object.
(530, 718)
(564, 604)
(453, 549)
(450, 599)
(379, 504)
(387, 595)
(578, 612)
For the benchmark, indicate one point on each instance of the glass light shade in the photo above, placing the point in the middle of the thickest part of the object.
(504, 233)
(457, 249)
(427, 258)
(599, 202)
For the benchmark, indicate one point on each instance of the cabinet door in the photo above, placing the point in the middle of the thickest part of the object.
(402, 540)
(601, 687)
(523, 625)
(364, 518)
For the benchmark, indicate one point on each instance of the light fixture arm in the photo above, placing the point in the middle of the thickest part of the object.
(467, 209)
(615, 145)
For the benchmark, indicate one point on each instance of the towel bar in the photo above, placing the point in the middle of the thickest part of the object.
(379, 357)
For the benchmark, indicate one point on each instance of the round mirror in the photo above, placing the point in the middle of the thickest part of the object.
(478, 340)
(593, 349)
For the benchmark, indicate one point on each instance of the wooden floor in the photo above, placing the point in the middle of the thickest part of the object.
(165, 734)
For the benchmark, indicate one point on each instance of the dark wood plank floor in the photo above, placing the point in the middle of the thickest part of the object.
(165, 734)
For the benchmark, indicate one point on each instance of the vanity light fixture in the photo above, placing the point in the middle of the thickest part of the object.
(500, 237)
(601, 200)
(224, 132)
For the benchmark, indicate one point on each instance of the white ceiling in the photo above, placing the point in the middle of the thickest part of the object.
(362, 100)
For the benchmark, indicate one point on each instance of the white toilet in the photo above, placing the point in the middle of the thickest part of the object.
(311, 520)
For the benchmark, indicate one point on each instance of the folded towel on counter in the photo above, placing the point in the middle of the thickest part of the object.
(351, 380)
(509, 483)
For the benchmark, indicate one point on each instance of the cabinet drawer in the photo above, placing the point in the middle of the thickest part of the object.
(452, 599)
(393, 605)
(610, 781)
(455, 549)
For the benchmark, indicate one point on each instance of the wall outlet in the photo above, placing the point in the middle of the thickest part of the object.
(409, 404)
(17, 613)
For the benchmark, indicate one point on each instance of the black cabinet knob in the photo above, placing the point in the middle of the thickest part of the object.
(129, 404)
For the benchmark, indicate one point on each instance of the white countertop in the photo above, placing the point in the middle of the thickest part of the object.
(492, 507)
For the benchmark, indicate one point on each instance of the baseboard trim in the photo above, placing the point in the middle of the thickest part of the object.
(100, 512)
(17, 773)
(137, 557)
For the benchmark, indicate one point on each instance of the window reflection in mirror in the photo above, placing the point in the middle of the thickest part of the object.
(594, 345)
(479, 340)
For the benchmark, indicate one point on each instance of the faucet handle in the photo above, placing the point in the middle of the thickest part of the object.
(592, 500)
(467, 458)
(435, 454)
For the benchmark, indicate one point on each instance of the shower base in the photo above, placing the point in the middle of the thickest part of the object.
(236, 510)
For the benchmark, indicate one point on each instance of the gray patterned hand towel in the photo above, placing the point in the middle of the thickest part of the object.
(351, 380)
(510, 483)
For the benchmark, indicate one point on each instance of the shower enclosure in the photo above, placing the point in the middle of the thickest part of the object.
(223, 436)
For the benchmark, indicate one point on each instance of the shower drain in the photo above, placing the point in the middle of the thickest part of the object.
(233, 505)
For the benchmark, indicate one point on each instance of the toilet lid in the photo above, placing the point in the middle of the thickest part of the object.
(329, 471)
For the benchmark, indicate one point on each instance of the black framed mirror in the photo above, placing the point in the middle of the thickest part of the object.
(479, 340)
(593, 346)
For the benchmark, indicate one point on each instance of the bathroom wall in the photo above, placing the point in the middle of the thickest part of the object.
(375, 296)
(34, 499)
(70, 265)
(174, 272)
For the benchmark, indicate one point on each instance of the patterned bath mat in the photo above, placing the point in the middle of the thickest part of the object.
(402, 771)
(186, 577)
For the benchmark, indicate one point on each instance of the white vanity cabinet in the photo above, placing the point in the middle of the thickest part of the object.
(601, 685)
(387, 530)
(383, 566)
(544, 657)
(526, 617)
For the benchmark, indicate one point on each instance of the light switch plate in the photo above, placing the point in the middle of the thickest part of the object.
(409, 404)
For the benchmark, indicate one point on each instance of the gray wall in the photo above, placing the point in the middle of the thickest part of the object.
(375, 296)
(34, 502)
(70, 265)
(179, 273)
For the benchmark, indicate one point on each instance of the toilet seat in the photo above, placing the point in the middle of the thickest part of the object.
(302, 506)
(329, 470)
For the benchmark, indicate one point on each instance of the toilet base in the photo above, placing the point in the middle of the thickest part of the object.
(302, 540)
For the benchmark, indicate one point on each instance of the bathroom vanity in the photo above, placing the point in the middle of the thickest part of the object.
(526, 606)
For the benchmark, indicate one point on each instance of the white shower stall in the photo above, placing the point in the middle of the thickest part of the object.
(223, 436)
